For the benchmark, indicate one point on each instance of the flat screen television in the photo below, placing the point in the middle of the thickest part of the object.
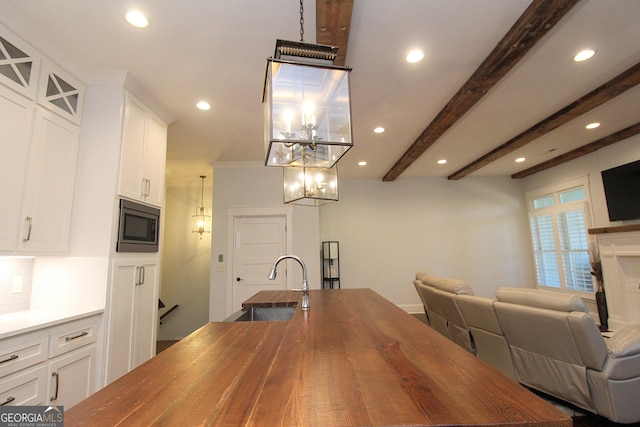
(622, 190)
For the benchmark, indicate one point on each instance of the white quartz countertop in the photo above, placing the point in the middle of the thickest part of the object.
(21, 322)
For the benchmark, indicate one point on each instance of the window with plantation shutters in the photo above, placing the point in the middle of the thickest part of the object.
(559, 219)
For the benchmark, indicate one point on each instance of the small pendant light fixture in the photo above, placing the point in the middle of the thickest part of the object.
(308, 186)
(307, 105)
(201, 221)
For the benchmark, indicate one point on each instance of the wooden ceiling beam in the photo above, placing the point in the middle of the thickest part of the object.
(581, 151)
(593, 99)
(333, 22)
(533, 24)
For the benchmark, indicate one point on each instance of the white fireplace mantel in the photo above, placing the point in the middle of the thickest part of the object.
(620, 255)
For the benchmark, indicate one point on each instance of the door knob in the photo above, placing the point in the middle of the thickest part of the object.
(238, 279)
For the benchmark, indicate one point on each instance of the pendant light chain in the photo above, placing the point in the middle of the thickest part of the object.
(301, 21)
(202, 177)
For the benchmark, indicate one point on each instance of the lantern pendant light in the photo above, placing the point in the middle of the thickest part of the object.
(310, 186)
(307, 106)
(201, 221)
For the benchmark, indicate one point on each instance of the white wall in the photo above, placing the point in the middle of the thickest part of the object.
(591, 165)
(251, 185)
(185, 262)
(474, 229)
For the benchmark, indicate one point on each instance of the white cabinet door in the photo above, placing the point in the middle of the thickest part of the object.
(120, 329)
(131, 184)
(146, 314)
(133, 312)
(71, 376)
(16, 118)
(50, 185)
(155, 154)
(144, 146)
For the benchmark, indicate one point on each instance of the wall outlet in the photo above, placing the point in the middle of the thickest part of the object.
(16, 285)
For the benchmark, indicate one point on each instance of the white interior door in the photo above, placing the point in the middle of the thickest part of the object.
(258, 242)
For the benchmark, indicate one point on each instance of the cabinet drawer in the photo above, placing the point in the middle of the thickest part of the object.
(23, 351)
(73, 335)
(27, 387)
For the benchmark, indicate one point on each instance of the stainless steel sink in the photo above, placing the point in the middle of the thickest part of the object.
(257, 314)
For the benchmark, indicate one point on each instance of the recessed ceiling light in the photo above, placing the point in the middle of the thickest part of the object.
(137, 19)
(520, 159)
(593, 125)
(415, 55)
(442, 161)
(379, 129)
(584, 55)
(363, 163)
(203, 105)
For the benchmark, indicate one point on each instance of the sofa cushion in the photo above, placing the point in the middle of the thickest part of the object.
(541, 299)
(453, 286)
(428, 280)
(419, 275)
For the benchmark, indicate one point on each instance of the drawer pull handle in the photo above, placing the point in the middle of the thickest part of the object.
(9, 400)
(67, 339)
(57, 377)
(12, 357)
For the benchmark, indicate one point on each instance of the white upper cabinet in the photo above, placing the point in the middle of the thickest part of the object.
(60, 92)
(19, 64)
(38, 166)
(50, 185)
(144, 145)
(16, 121)
(39, 149)
(25, 70)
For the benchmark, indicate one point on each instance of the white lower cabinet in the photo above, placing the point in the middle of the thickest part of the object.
(133, 314)
(71, 376)
(55, 365)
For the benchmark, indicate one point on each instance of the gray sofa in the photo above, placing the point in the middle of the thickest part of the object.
(545, 340)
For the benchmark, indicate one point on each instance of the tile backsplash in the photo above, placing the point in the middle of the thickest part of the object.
(16, 280)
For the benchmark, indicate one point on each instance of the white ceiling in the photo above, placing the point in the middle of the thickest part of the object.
(216, 50)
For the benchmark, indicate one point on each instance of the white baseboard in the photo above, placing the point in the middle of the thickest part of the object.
(412, 308)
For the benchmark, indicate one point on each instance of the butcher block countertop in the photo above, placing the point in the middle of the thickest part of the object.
(354, 359)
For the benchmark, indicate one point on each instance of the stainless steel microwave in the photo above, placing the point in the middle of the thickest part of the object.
(138, 228)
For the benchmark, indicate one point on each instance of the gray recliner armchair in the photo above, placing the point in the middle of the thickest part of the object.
(558, 349)
(444, 314)
(417, 283)
(488, 337)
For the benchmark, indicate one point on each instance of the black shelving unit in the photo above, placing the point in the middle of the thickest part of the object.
(330, 265)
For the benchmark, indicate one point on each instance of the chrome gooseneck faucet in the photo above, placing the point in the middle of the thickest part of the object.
(305, 284)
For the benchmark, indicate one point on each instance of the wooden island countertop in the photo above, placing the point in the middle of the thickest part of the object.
(354, 359)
